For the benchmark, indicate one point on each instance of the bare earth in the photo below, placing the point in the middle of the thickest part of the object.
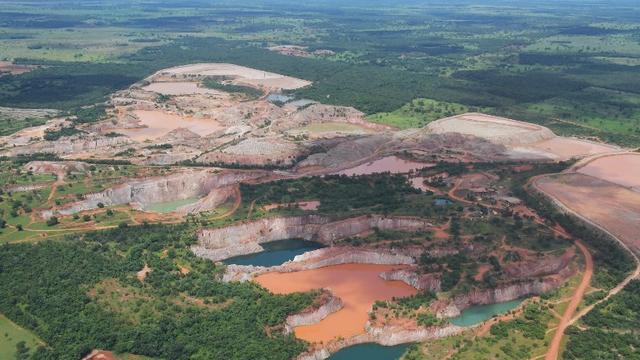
(244, 75)
(622, 169)
(159, 123)
(178, 88)
(7, 67)
(611, 206)
(523, 140)
(392, 164)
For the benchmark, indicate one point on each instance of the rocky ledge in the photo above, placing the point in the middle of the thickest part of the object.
(244, 238)
(320, 258)
(214, 185)
(329, 305)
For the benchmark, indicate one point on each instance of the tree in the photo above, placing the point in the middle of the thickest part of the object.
(22, 351)
(52, 221)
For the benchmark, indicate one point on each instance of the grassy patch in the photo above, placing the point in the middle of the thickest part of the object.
(11, 334)
(418, 113)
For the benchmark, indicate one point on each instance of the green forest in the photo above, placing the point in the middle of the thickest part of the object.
(81, 293)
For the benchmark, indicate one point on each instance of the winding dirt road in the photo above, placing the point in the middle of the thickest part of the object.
(578, 295)
(554, 348)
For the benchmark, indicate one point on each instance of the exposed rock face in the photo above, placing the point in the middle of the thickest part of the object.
(330, 306)
(240, 239)
(501, 293)
(320, 258)
(345, 152)
(26, 187)
(215, 198)
(319, 113)
(420, 141)
(76, 144)
(344, 255)
(546, 265)
(182, 185)
(43, 167)
(256, 151)
(394, 335)
(388, 336)
(429, 282)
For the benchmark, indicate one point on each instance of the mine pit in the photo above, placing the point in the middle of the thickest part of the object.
(155, 123)
(357, 285)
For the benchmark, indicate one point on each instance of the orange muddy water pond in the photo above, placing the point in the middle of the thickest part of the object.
(158, 123)
(358, 285)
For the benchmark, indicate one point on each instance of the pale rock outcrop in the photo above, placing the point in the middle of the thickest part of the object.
(215, 198)
(239, 239)
(430, 282)
(320, 258)
(387, 336)
(344, 255)
(75, 144)
(499, 294)
(546, 265)
(44, 167)
(331, 305)
(394, 335)
(143, 192)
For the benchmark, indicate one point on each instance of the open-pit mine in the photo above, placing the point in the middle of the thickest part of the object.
(399, 231)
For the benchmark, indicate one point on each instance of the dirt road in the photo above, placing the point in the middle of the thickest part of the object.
(554, 347)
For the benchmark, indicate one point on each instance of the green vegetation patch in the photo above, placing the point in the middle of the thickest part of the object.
(11, 335)
(418, 113)
(217, 84)
(612, 328)
(79, 304)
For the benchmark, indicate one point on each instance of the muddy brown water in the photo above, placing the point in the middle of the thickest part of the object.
(358, 285)
(159, 123)
(392, 164)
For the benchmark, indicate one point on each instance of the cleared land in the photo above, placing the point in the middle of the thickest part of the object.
(621, 169)
(611, 206)
(178, 88)
(11, 334)
(392, 164)
(241, 74)
(522, 140)
(7, 67)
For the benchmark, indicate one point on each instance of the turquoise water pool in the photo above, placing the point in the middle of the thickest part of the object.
(479, 313)
(275, 253)
(169, 206)
(471, 316)
(370, 351)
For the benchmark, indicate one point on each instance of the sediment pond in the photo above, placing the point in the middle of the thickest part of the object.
(479, 313)
(370, 351)
(471, 316)
(358, 285)
(169, 206)
(275, 253)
